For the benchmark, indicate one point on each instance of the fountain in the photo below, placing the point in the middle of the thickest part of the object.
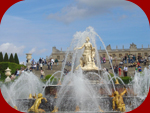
(85, 89)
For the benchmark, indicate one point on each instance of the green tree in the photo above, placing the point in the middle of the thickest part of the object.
(16, 58)
(11, 59)
(1, 57)
(6, 57)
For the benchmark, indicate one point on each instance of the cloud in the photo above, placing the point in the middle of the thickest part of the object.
(11, 48)
(122, 17)
(37, 51)
(88, 8)
(33, 50)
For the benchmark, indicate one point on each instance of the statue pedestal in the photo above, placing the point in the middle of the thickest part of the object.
(28, 65)
(8, 79)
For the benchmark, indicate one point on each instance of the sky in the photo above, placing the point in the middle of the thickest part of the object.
(35, 26)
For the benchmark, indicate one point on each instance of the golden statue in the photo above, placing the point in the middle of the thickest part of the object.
(59, 82)
(37, 103)
(81, 63)
(77, 109)
(118, 103)
(87, 62)
(100, 110)
(30, 96)
(55, 95)
(55, 110)
(15, 107)
(117, 82)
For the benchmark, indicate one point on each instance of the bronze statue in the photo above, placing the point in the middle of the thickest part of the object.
(35, 107)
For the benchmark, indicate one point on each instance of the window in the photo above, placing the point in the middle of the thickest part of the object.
(120, 55)
(139, 54)
(145, 54)
(103, 55)
(58, 57)
(114, 55)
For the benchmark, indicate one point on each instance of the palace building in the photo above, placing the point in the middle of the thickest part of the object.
(117, 53)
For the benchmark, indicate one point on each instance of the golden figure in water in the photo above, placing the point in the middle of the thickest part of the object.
(35, 107)
(118, 103)
(87, 62)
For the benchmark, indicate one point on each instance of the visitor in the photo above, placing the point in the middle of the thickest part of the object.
(110, 58)
(139, 68)
(116, 70)
(134, 58)
(138, 63)
(0, 75)
(33, 62)
(56, 61)
(37, 66)
(12, 77)
(43, 61)
(104, 60)
(128, 58)
(40, 60)
(34, 66)
(17, 73)
(125, 70)
(51, 63)
(48, 64)
(120, 71)
(136, 68)
(22, 71)
(41, 65)
(104, 69)
(42, 74)
(125, 59)
(52, 60)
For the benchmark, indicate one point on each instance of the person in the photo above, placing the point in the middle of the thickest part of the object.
(37, 66)
(41, 65)
(120, 71)
(33, 62)
(17, 72)
(125, 70)
(0, 75)
(136, 68)
(116, 70)
(42, 74)
(104, 60)
(48, 64)
(138, 63)
(56, 61)
(51, 63)
(40, 60)
(43, 61)
(139, 68)
(110, 58)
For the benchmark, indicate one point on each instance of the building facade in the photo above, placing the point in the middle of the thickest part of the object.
(115, 53)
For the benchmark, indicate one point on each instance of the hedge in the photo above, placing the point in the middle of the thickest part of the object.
(12, 66)
(126, 79)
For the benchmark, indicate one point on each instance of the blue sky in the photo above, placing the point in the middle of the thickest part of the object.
(36, 26)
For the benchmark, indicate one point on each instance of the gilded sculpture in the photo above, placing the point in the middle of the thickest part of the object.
(55, 109)
(87, 60)
(118, 103)
(35, 107)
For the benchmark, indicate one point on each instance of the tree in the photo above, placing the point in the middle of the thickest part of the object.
(1, 57)
(16, 58)
(6, 57)
(11, 59)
